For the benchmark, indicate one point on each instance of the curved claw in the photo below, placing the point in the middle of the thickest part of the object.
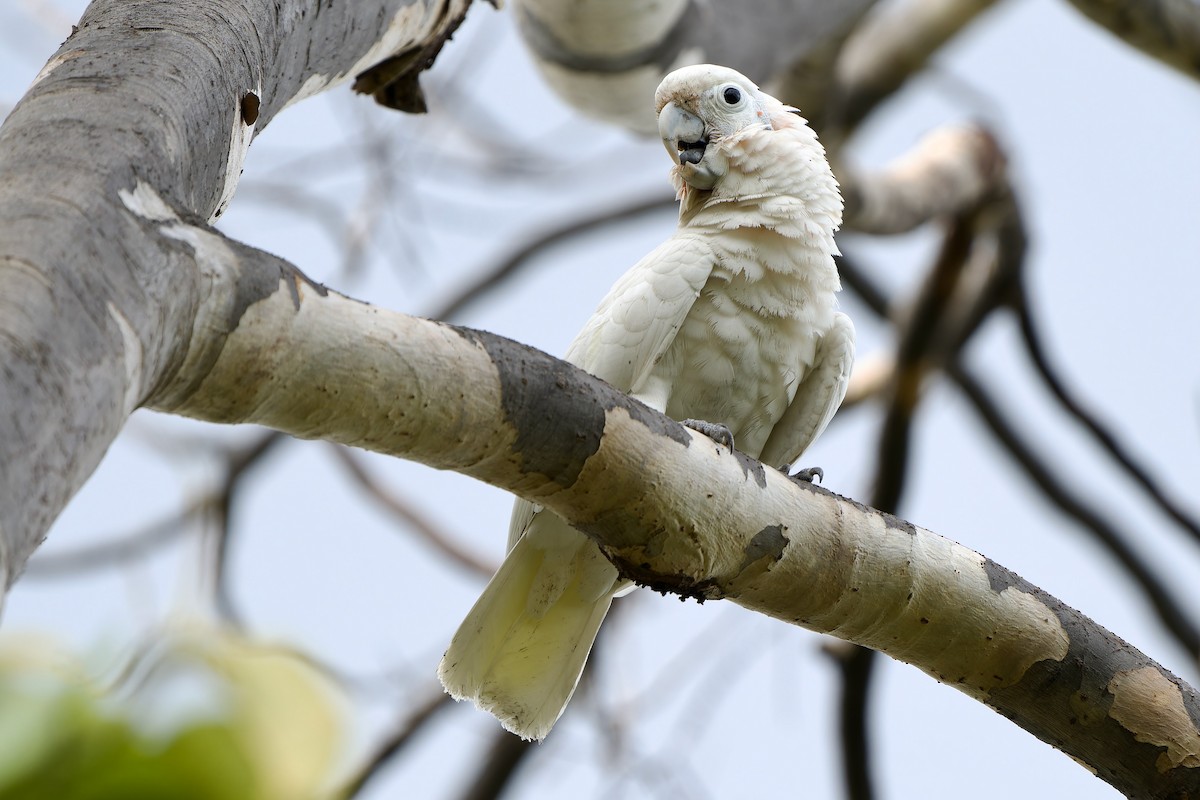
(809, 475)
(714, 430)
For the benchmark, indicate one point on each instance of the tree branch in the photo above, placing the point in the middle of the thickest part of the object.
(1105, 438)
(950, 171)
(856, 666)
(500, 765)
(1170, 611)
(396, 742)
(891, 45)
(508, 267)
(164, 96)
(670, 508)
(1168, 30)
(607, 58)
(417, 522)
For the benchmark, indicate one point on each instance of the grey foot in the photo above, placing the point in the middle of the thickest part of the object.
(713, 430)
(809, 475)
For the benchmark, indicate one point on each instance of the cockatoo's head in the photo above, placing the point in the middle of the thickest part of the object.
(699, 105)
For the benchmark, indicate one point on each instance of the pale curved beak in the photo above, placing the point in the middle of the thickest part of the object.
(682, 134)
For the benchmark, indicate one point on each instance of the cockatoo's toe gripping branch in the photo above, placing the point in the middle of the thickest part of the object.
(808, 474)
(714, 430)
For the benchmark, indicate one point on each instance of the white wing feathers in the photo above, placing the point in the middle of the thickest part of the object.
(817, 398)
(638, 319)
(520, 651)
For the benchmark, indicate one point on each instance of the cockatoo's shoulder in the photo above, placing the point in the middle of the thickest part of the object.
(638, 319)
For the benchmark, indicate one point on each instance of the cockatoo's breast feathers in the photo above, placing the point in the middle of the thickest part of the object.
(702, 104)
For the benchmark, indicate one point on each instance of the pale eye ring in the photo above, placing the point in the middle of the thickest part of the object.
(732, 95)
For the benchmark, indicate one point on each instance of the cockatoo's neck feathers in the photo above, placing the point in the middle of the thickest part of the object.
(778, 183)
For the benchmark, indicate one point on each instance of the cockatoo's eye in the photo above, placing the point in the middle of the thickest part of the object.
(732, 95)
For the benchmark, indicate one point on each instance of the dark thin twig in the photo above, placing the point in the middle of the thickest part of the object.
(856, 665)
(117, 550)
(1104, 437)
(854, 733)
(396, 742)
(863, 285)
(1169, 610)
(917, 340)
(138, 545)
(511, 265)
(419, 524)
(239, 464)
(924, 339)
(504, 757)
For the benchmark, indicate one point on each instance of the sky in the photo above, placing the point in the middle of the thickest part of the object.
(709, 700)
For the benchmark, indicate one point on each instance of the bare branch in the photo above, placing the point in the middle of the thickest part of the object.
(1099, 433)
(417, 522)
(606, 58)
(396, 742)
(951, 170)
(889, 47)
(855, 665)
(916, 341)
(510, 266)
(183, 134)
(1168, 30)
(1170, 611)
(112, 551)
(240, 463)
(505, 756)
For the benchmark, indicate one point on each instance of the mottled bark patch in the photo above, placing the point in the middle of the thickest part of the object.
(261, 275)
(1001, 578)
(1150, 705)
(1054, 697)
(557, 416)
(752, 468)
(769, 543)
(655, 422)
(895, 523)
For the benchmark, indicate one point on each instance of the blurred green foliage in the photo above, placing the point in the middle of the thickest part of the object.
(201, 715)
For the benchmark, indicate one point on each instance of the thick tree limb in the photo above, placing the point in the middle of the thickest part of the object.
(951, 170)
(94, 309)
(1168, 30)
(672, 509)
(607, 58)
(893, 43)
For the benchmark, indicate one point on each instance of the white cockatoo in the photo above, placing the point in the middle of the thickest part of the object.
(732, 321)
